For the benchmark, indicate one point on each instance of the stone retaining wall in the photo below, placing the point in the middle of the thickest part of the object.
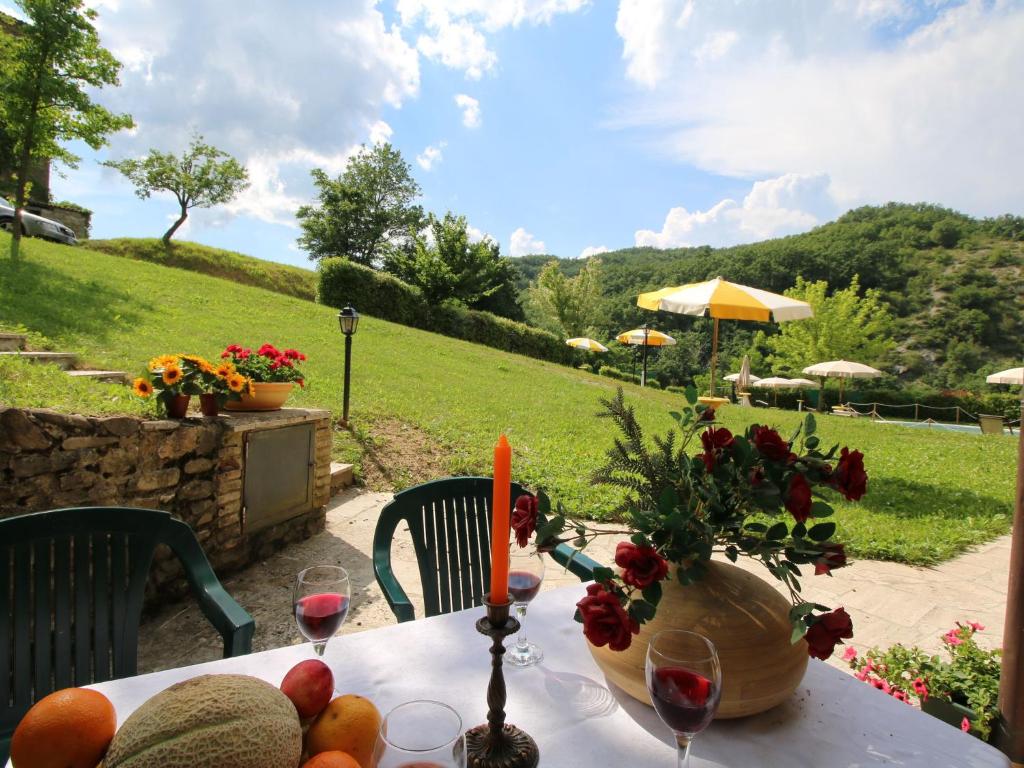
(192, 468)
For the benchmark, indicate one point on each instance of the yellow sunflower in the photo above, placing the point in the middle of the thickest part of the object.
(224, 370)
(199, 362)
(251, 387)
(162, 361)
(142, 388)
(172, 375)
(236, 382)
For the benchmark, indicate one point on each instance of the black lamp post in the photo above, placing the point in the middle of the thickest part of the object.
(348, 319)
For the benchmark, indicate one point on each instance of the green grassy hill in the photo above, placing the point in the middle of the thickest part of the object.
(426, 405)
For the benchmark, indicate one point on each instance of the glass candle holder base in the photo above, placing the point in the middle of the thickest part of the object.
(524, 657)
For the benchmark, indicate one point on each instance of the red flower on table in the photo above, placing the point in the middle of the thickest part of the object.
(770, 444)
(605, 621)
(833, 556)
(715, 442)
(849, 478)
(798, 498)
(641, 566)
(524, 518)
(828, 630)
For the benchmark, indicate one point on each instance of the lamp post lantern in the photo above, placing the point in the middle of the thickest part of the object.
(348, 320)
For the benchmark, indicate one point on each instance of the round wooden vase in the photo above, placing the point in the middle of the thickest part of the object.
(746, 619)
(270, 396)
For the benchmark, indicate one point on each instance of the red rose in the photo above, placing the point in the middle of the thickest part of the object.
(832, 556)
(827, 631)
(715, 442)
(605, 621)
(798, 498)
(524, 518)
(756, 476)
(641, 566)
(850, 479)
(770, 444)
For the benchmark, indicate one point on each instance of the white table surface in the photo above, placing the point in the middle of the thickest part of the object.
(578, 719)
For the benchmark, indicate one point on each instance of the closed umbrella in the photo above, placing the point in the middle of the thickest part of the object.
(1009, 376)
(724, 300)
(843, 369)
(743, 382)
(645, 337)
(586, 344)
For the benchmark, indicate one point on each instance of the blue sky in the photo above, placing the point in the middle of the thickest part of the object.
(596, 124)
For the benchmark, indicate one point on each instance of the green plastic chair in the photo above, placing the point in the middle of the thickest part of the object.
(72, 584)
(450, 524)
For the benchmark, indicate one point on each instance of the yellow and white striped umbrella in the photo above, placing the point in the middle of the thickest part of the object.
(582, 342)
(726, 301)
(645, 337)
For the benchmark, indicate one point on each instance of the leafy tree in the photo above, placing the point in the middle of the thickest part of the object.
(845, 326)
(448, 266)
(47, 71)
(365, 211)
(202, 177)
(567, 305)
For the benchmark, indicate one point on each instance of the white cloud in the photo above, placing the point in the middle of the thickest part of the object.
(715, 46)
(592, 250)
(476, 235)
(930, 114)
(247, 87)
(522, 243)
(773, 208)
(470, 110)
(431, 156)
(455, 33)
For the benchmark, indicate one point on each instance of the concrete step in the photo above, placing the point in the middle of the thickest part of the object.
(341, 477)
(114, 377)
(12, 342)
(65, 360)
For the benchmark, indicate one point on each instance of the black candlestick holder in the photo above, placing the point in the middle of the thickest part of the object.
(497, 744)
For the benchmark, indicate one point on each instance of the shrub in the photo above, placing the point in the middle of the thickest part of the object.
(385, 296)
(614, 373)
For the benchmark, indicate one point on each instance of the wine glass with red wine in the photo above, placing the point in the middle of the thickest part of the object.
(525, 575)
(685, 682)
(320, 603)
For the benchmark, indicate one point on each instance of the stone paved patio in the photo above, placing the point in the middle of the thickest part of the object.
(889, 602)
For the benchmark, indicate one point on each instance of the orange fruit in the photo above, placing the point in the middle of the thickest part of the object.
(71, 728)
(349, 724)
(332, 759)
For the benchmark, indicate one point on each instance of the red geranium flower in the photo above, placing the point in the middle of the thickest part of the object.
(770, 444)
(850, 479)
(833, 556)
(826, 631)
(524, 518)
(605, 621)
(715, 442)
(798, 498)
(269, 350)
(641, 566)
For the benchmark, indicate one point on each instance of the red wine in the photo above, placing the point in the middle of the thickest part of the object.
(684, 699)
(320, 616)
(523, 586)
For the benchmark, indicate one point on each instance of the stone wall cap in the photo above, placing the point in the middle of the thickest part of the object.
(244, 421)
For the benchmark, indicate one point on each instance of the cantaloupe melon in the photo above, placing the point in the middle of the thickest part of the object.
(213, 721)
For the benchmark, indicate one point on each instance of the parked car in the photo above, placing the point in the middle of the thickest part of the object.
(35, 226)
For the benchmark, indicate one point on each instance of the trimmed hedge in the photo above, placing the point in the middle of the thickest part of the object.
(614, 373)
(382, 295)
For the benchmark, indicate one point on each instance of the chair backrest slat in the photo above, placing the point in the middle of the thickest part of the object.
(42, 631)
(428, 560)
(6, 622)
(467, 563)
(118, 601)
(62, 617)
(82, 590)
(21, 668)
(476, 584)
(453, 565)
(101, 667)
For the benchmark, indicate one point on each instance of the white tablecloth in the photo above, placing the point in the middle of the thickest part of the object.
(832, 721)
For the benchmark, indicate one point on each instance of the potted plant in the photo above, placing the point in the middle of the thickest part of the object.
(963, 691)
(755, 495)
(221, 384)
(173, 379)
(272, 372)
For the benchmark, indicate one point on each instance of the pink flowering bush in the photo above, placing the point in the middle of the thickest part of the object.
(970, 677)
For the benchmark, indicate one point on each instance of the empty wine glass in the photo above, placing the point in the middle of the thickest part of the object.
(685, 682)
(320, 603)
(421, 734)
(525, 574)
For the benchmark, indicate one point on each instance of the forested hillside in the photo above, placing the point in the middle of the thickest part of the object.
(953, 285)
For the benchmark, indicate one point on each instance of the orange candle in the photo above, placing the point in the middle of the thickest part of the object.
(501, 528)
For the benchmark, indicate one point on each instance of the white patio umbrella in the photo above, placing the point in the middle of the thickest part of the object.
(736, 377)
(843, 369)
(722, 299)
(589, 345)
(801, 383)
(1009, 376)
(776, 383)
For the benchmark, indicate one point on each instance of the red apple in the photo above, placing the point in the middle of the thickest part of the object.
(309, 685)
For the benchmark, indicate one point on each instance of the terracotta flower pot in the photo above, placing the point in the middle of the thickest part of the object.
(270, 396)
(177, 406)
(208, 405)
(746, 619)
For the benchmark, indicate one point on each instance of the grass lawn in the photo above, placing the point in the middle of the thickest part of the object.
(931, 493)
